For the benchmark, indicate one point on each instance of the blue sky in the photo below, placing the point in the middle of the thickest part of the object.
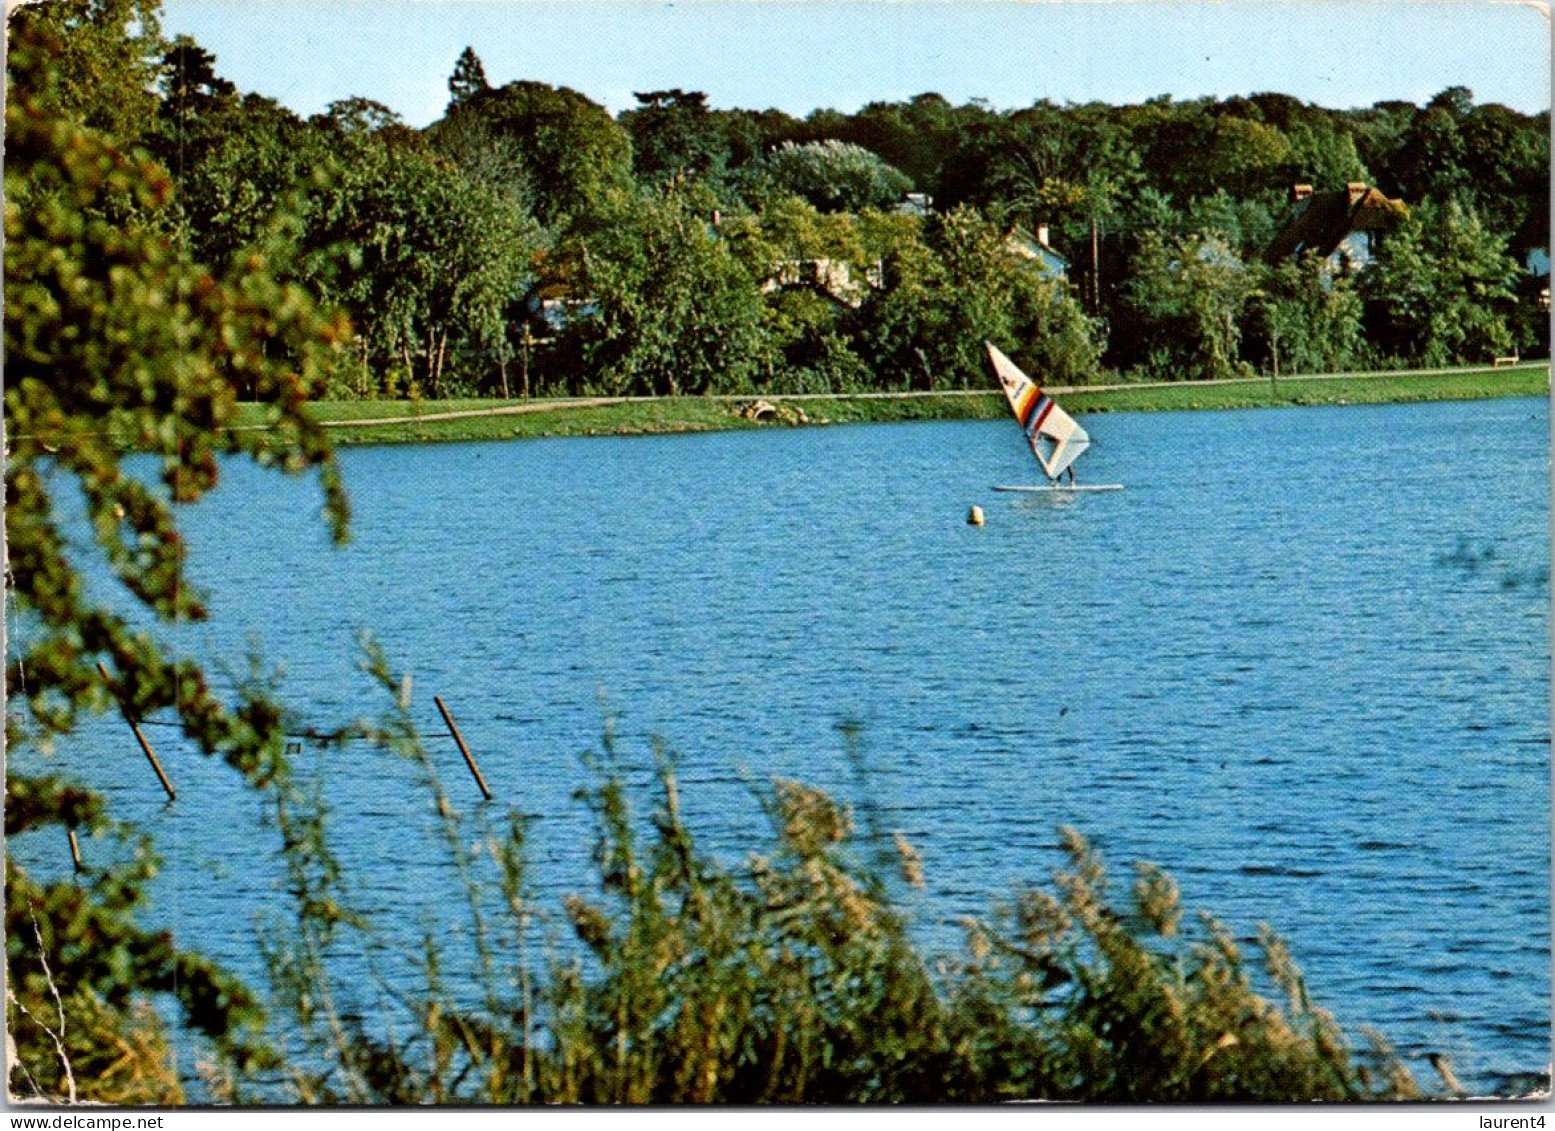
(798, 55)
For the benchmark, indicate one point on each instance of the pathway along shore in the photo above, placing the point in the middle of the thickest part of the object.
(562, 404)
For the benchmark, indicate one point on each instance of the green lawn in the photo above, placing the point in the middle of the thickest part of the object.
(1468, 384)
(702, 414)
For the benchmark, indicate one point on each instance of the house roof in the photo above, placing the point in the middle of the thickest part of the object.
(1028, 246)
(1321, 220)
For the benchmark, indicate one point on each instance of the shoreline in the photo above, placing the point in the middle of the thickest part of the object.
(398, 422)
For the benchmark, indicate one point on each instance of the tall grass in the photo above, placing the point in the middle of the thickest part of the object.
(791, 977)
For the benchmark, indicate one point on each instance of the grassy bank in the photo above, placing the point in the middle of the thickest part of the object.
(1361, 388)
(388, 422)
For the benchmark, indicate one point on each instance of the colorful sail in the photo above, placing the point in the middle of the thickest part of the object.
(1055, 439)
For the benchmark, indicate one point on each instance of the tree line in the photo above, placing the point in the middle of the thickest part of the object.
(529, 242)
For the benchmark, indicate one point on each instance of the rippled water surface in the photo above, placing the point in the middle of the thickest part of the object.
(1302, 661)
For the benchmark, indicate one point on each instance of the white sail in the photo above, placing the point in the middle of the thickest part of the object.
(1055, 439)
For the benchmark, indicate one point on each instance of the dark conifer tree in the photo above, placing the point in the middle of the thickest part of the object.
(468, 79)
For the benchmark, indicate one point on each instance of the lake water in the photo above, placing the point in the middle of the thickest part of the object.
(1302, 662)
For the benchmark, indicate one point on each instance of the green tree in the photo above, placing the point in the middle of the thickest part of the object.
(1247, 223)
(427, 261)
(357, 117)
(1174, 141)
(483, 154)
(190, 84)
(199, 109)
(574, 153)
(1379, 131)
(1188, 293)
(944, 295)
(1431, 160)
(1307, 320)
(834, 176)
(674, 135)
(916, 136)
(468, 79)
(750, 134)
(815, 269)
(667, 306)
(114, 339)
(1244, 157)
(1068, 168)
(1324, 154)
(1442, 288)
(256, 163)
(105, 59)
(1003, 161)
(1508, 159)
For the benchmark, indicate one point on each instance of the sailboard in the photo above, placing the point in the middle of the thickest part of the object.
(1054, 436)
(1043, 488)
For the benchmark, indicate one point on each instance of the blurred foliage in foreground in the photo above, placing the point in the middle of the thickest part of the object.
(794, 978)
(115, 338)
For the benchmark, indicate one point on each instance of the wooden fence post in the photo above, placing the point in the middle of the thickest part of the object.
(144, 745)
(469, 759)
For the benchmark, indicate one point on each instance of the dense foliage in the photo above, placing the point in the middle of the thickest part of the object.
(671, 309)
(503, 246)
(114, 338)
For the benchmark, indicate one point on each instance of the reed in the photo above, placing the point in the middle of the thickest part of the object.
(795, 976)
